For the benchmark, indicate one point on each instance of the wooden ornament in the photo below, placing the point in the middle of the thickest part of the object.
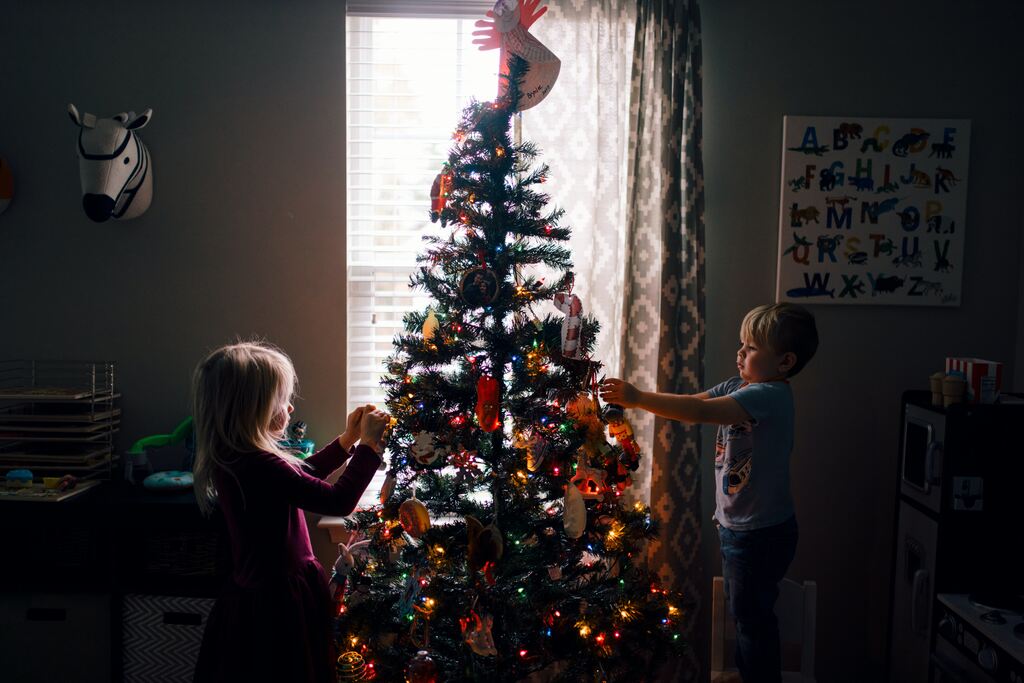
(479, 287)
(414, 517)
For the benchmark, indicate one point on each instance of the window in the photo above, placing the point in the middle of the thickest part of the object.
(408, 79)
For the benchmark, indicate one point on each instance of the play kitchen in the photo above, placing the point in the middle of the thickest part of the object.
(958, 513)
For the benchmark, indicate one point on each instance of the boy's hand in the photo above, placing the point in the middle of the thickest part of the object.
(621, 392)
(371, 428)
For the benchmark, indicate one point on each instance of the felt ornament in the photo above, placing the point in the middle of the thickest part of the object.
(622, 431)
(572, 307)
(476, 632)
(6, 185)
(387, 488)
(589, 481)
(574, 512)
(342, 568)
(488, 407)
(439, 194)
(413, 515)
(509, 31)
(485, 547)
(430, 326)
(425, 448)
(113, 165)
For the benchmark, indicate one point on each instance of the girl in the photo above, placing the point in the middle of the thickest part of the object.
(272, 620)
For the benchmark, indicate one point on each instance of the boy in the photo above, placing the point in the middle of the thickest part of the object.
(754, 510)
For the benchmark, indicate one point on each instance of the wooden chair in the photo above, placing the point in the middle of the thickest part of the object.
(795, 610)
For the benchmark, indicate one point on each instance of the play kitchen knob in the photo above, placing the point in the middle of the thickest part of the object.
(988, 659)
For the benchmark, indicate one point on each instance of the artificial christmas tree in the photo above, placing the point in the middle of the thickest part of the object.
(501, 547)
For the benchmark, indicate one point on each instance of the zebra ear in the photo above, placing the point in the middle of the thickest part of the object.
(85, 120)
(140, 120)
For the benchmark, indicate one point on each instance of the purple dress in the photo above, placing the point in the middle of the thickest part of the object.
(272, 621)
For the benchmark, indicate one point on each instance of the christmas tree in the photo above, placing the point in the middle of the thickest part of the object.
(502, 546)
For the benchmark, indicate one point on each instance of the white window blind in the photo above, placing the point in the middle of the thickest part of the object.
(408, 80)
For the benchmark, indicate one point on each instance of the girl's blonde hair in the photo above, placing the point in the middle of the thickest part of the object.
(236, 392)
(783, 327)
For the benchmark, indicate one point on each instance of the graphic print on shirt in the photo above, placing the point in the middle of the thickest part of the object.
(736, 451)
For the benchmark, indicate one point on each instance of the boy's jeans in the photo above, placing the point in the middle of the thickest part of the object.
(753, 563)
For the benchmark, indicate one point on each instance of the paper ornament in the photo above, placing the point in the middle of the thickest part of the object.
(508, 31)
(574, 512)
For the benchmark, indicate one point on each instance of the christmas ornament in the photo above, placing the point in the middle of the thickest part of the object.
(589, 481)
(487, 403)
(572, 307)
(583, 410)
(430, 326)
(508, 31)
(574, 512)
(439, 194)
(351, 667)
(421, 669)
(387, 488)
(425, 448)
(622, 431)
(414, 517)
(476, 632)
(411, 591)
(479, 287)
(485, 547)
(342, 568)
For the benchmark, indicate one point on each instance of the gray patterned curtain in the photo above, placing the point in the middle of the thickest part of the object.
(621, 131)
(664, 307)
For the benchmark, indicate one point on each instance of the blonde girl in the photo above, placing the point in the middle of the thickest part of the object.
(272, 618)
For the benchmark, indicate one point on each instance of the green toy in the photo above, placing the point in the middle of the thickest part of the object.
(180, 433)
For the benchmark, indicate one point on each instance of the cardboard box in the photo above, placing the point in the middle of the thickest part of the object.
(984, 377)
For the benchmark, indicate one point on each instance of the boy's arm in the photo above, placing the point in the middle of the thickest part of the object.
(693, 408)
(696, 408)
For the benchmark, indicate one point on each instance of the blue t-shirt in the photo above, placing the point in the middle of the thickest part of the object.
(752, 458)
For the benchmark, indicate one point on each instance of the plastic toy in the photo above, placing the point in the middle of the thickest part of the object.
(138, 455)
(19, 479)
(171, 480)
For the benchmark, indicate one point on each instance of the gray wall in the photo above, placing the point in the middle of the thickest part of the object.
(245, 235)
(246, 232)
(944, 59)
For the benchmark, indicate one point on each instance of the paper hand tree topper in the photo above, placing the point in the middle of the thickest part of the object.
(509, 32)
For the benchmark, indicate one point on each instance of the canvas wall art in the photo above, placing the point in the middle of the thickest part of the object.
(872, 210)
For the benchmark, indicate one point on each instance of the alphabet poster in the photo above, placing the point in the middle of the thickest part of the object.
(872, 210)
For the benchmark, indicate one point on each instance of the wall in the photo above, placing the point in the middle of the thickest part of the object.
(245, 235)
(944, 59)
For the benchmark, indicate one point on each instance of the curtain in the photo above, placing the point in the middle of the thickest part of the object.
(663, 345)
(621, 131)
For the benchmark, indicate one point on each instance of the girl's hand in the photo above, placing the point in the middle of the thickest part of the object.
(372, 426)
(351, 433)
(621, 392)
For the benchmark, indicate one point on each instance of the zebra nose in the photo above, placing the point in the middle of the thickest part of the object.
(98, 207)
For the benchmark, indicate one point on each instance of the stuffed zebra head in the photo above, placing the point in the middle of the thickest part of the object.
(114, 165)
